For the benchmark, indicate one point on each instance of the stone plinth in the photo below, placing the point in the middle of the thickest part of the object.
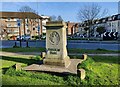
(56, 52)
(72, 68)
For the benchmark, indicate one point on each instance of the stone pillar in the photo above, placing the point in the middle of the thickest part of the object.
(81, 73)
(56, 52)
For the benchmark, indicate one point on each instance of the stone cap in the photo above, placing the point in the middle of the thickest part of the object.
(55, 24)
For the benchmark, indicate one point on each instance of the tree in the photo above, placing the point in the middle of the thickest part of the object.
(3, 31)
(86, 28)
(53, 18)
(90, 12)
(100, 30)
(59, 18)
(27, 9)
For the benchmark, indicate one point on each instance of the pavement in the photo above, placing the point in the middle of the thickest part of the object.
(39, 53)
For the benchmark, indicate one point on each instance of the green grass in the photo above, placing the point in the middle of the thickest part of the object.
(99, 71)
(17, 80)
(97, 51)
(33, 49)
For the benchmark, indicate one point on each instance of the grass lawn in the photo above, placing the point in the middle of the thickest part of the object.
(33, 49)
(99, 71)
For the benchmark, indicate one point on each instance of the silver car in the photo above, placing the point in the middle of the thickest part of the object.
(24, 37)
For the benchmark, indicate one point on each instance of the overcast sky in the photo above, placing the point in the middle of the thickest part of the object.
(67, 10)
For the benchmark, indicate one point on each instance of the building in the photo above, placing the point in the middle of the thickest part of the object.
(46, 19)
(111, 24)
(72, 28)
(30, 24)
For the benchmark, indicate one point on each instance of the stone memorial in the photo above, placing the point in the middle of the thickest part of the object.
(56, 51)
(56, 59)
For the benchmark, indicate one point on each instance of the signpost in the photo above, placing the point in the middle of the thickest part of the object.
(39, 31)
(18, 24)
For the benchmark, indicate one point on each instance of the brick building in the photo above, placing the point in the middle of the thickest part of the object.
(72, 28)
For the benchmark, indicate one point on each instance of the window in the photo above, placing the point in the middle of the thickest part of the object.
(15, 25)
(16, 30)
(8, 19)
(110, 18)
(8, 25)
(14, 19)
(33, 28)
(118, 17)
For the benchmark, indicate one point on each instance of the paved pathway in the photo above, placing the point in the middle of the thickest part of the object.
(38, 53)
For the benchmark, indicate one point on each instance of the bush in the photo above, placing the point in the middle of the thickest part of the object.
(86, 64)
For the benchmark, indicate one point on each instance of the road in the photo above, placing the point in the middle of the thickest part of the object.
(70, 44)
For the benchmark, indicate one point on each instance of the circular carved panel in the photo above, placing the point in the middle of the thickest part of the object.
(54, 38)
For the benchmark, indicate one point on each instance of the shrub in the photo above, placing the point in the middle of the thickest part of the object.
(86, 64)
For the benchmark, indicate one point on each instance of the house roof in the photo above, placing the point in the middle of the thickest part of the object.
(20, 15)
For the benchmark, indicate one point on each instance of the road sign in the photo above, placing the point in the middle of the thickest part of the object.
(105, 34)
(38, 28)
(18, 23)
(109, 34)
(114, 34)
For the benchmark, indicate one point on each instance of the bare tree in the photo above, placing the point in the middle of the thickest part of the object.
(27, 9)
(90, 12)
(3, 31)
(53, 18)
(59, 18)
(100, 30)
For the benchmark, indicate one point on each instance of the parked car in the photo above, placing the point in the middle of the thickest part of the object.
(24, 37)
(43, 37)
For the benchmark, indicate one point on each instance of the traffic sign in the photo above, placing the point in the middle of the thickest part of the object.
(105, 34)
(18, 23)
(109, 34)
(38, 28)
(114, 34)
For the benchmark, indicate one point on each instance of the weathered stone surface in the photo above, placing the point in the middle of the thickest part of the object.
(84, 56)
(43, 54)
(56, 44)
(18, 66)
(81, 73)
(72, 68)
